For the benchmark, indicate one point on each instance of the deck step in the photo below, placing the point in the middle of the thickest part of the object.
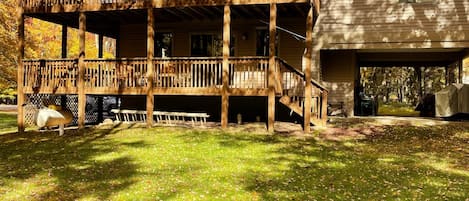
(295, 107)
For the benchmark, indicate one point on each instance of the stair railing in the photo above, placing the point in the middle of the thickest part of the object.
(292, 82)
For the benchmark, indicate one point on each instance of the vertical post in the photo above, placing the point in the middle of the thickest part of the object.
(226, 56)
(81, 70)
(100, 46)
(20, 76)
(64, 40)
(63, 98)
(150, 68)
(308, 62)
(272, 66)
(100, 98)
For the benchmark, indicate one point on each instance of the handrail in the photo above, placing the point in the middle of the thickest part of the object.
(298, 72)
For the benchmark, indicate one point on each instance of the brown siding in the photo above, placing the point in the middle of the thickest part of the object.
(354, 24)
(133, 38)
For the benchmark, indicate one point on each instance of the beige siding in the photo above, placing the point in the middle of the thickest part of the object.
(359, 24)
(339, 76)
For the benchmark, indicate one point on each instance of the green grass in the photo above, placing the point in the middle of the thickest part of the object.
(397, 109)
(7, 122)
(390, 163)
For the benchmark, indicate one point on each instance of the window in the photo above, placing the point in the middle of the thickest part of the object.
(262, 42)
(209, 45)
(163, 43)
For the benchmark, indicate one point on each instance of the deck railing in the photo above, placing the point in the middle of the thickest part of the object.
(188, 72)
(293, 85)
(50, 74)
(105, 75)
(115, 73)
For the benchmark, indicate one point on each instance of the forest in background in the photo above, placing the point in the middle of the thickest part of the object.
(43, 40)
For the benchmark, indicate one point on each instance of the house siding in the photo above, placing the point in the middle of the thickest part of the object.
(365, 24)
(133, 38)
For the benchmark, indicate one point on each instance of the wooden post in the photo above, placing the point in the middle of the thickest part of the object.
(226, 56)
(324, 107)
(307, 69)
(81, 70)
(20, 76)
(272, 66)
(150, 68)
(64, 40)
(63, 98)
(100, 98)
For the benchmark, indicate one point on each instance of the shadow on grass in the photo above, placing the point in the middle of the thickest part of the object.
(389, 162)
(69, 161)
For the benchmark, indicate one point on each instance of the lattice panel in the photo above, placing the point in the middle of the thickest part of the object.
(33, 103)
(37, 101)
(91, 114)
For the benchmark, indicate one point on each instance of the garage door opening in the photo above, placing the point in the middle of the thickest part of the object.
(399, 91)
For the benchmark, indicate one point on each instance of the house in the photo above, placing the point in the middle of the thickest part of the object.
(207, 54)
(219, 53)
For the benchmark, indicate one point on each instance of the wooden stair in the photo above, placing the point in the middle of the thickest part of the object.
(291, 93)
(294, 106)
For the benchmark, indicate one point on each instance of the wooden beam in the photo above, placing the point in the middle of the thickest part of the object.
(20, 76)
(81, 70)
(150, 71)
(272, 66)
(307, 71)
(226, 56)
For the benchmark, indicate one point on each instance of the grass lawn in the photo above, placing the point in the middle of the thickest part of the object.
(7, 122)
(397, 109)
(405, 162)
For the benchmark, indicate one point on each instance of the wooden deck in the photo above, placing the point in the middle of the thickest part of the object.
(175, 76)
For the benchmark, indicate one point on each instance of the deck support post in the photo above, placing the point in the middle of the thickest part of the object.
(272, 66)
(81, 70)
(63, 98)
(100, 98)
(150, 67)
(226, 56)
(20, 78)
(307, 73)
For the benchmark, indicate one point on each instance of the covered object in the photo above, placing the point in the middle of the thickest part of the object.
(452, 100)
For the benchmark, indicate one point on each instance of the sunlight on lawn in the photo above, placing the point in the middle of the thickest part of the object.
(397, 109)
(210, 164)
